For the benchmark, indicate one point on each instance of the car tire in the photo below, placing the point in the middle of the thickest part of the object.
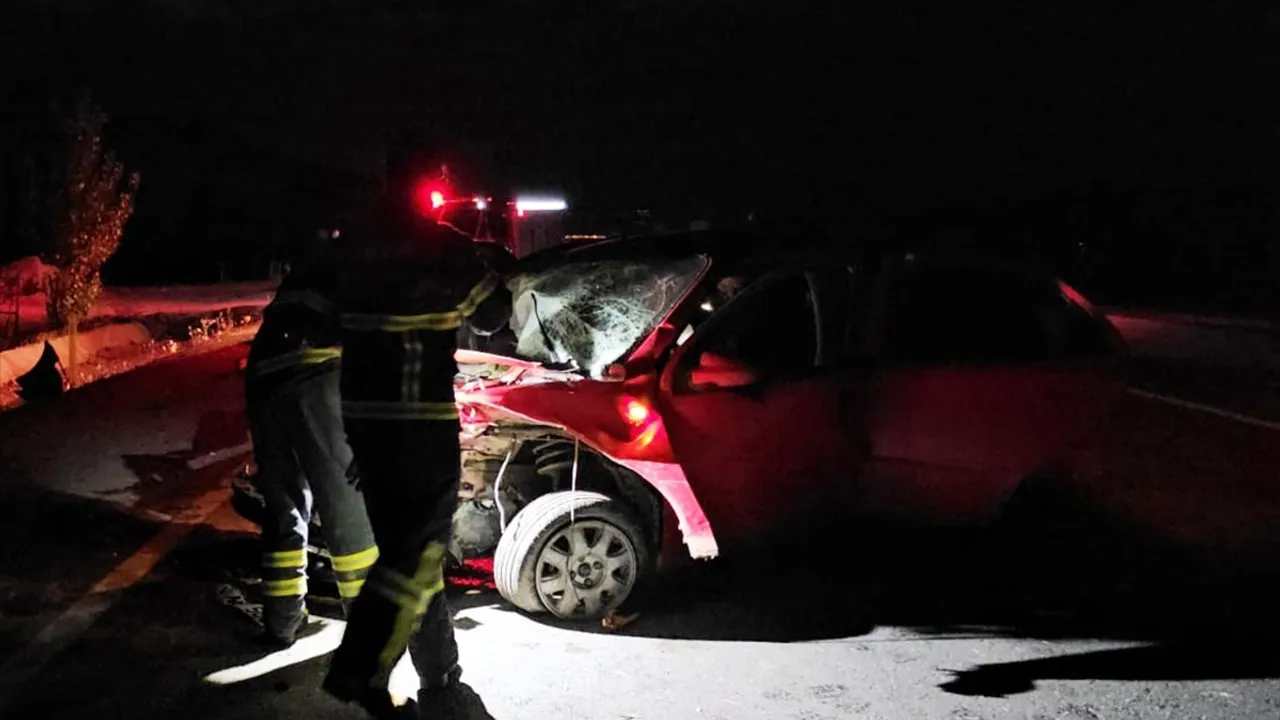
(1037, 545)
(544, 529)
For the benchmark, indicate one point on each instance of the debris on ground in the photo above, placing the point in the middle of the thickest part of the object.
(473, 573)
(616, 621)
(44, 381)
(232, 598)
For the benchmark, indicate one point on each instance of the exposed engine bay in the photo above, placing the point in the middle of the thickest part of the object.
(569, 323)
(547, 425)
(508, 461)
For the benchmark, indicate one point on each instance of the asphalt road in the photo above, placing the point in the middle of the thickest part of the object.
(1141, 594)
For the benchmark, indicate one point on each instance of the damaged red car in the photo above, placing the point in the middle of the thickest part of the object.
(688, 395)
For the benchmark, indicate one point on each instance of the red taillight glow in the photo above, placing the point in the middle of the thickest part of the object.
(1074, 296)
(635, 412)
(437, 199)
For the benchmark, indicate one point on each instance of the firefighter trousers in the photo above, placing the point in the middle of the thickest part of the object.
(302, 456)
(409, 472)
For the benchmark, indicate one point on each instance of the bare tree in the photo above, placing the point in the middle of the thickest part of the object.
(88, 203)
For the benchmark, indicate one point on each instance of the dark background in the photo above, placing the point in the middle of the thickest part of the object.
(1134, 149)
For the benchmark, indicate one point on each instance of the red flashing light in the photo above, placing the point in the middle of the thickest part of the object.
(635, 412)
(429, 196)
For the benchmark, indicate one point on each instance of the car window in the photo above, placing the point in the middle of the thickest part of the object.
(724, 289)
(839, 308)
(940, 314)
(769, 330)
(586, 315)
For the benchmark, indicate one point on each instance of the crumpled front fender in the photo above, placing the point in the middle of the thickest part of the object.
(587, 411)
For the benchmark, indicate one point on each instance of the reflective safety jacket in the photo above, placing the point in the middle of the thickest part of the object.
(299, 333)
(402, 306)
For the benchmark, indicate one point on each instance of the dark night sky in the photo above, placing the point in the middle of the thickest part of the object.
(709, 104)
(709, 100)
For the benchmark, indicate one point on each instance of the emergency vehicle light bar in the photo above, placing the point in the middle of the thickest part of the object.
(525, 205)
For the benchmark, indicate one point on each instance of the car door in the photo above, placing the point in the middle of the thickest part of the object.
(984, 378)
(753, 412)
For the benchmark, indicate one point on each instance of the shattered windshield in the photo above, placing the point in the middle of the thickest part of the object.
(587, 315)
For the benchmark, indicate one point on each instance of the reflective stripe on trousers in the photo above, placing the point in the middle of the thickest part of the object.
(411, 596)
(284, 573)
(302, 454)
(352, 571)
(409, 472)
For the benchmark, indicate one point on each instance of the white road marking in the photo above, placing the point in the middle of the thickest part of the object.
(203, 461)
(1209, 409)
(71, 624)
(404, 680)
(325, 641)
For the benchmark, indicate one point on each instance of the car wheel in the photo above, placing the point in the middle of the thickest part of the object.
(1038, 545)
(577, 555)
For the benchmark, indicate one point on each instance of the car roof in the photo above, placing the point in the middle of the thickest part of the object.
(736, 247)
(723, 246)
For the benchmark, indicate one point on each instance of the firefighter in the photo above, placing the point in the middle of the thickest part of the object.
(301, 451)
(410, 288)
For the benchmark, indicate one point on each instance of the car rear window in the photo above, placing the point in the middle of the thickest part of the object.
(943, 314)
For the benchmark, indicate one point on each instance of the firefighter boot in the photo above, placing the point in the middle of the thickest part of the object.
(377, 702)
(302, 628)
(456, 701)
(283, 619)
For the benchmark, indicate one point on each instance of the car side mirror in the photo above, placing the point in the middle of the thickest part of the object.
(715, 372)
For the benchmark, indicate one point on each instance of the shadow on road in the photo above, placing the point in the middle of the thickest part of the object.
(53, 548)
(1061, 567)
(1059, 570)
(1221, 660)
(168, 482)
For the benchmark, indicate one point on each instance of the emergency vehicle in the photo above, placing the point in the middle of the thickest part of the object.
(524, 224)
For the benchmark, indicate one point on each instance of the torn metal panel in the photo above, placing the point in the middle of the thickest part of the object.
(663, 474)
